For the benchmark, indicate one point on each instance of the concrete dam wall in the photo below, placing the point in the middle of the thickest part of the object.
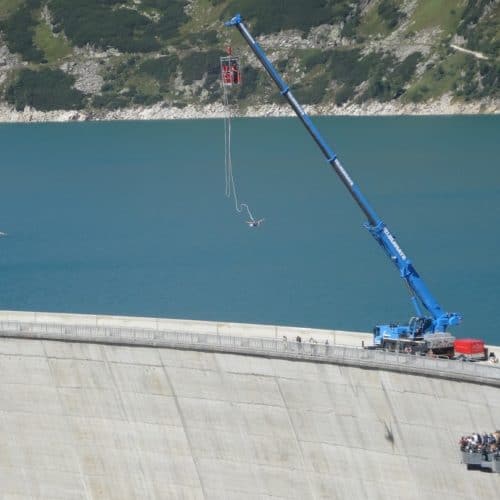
(81, 420)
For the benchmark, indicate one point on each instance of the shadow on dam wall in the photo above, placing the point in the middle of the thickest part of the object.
(88, 421)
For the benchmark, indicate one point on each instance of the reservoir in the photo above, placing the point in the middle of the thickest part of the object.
(131, 218)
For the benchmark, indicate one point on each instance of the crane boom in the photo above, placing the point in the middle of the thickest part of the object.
(439, 319)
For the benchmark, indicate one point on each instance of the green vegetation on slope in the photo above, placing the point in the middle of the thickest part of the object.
(372, 24)
(19, 30)
(441, 13)
(349, 68)
(102, 24)
(385, 86)
(45, 90)
(270, 16)
(160, 68)
(482, 31)
(8, 6)
(53, 47)
(465, 76)
(389, 11)
(199, 63)
(169, 49)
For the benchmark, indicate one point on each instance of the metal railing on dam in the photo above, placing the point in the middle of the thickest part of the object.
(254, 346)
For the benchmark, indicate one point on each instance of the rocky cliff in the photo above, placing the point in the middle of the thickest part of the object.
(120, 59)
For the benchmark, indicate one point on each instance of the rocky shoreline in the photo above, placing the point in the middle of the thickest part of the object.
(444, 106)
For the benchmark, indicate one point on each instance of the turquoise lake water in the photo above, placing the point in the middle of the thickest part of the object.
(131, 218)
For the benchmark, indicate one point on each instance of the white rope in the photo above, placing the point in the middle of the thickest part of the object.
(228, 161)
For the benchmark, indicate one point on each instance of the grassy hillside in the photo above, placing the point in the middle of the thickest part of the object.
(106, 54)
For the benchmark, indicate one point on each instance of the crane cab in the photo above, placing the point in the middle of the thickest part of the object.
(230, 69)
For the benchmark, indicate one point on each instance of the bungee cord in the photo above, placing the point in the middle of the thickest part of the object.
(230, 183)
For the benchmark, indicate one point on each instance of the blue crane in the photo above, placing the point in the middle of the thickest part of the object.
(428, 329)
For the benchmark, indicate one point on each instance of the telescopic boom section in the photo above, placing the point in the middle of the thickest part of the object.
(375, 225)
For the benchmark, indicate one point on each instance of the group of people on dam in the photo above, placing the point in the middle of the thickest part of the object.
(481, 443)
